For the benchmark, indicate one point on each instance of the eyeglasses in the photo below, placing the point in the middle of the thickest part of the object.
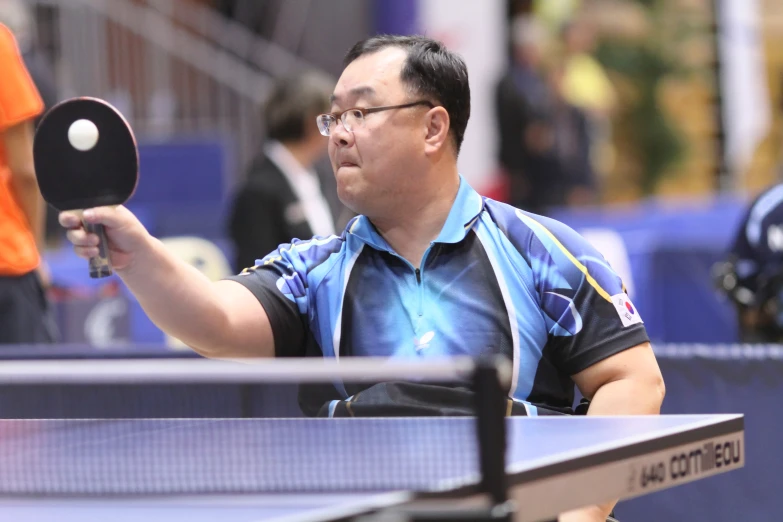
(354, 118)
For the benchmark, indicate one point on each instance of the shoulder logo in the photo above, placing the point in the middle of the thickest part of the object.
(628, 313)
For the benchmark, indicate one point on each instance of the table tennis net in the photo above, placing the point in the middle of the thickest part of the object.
(201, 388)
(193, 453)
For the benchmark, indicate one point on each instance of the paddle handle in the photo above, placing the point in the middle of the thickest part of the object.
(100, 265)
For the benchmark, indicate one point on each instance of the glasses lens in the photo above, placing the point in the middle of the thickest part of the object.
(324, 122)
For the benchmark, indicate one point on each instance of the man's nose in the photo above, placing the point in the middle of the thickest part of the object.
(340, 135)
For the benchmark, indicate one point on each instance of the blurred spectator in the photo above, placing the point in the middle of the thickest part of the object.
(572, 145)
(17, 16)
(24, 310)
(523, 101)
(586, 86)
(751, 275)
(282, 197)
(544, 146)
(554, 12)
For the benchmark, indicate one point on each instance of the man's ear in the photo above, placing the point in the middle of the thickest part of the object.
(438, 124)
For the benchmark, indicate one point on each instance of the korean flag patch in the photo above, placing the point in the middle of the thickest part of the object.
(628, 313)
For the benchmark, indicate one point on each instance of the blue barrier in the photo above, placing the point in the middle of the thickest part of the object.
(723, 379)
(184, 185)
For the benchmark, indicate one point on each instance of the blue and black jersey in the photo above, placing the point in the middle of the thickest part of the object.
(497, 280)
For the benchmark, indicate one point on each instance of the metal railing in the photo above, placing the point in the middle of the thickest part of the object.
(172, 68)
(239, 40)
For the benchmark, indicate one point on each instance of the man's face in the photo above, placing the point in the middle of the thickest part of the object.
(375, 164)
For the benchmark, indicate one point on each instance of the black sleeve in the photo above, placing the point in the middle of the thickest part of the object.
(289, 326)
(602, 334)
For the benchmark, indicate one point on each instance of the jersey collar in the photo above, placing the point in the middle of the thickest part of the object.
(467, 206)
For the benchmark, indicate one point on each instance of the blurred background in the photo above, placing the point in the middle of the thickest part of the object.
(656, 123)
(659, 121)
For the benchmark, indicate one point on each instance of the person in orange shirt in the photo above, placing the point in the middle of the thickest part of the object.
(24, 312)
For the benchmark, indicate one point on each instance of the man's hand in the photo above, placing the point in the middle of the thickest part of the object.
(126, 235)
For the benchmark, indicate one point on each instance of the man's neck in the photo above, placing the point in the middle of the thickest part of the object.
(410, 233)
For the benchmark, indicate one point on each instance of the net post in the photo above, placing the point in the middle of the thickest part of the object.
(491, 427)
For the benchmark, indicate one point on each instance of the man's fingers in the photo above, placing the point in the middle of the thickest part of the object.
(111, 217)
(86, 252)
(69, 220)
(85, 244)
(80, 237)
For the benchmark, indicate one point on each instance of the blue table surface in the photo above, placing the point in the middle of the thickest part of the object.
(283, 466)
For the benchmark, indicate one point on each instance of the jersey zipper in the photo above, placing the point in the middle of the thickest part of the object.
(418, 272)
(418, 284)
(419, 275)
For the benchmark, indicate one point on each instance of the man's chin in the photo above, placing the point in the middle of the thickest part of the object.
(348, 177)
(350, 195)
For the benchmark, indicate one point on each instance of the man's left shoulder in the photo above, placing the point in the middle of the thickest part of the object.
(522, 227)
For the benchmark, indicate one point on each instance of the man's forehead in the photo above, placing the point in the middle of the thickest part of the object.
(370, 76)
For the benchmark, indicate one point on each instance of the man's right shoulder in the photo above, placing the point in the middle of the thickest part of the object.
(304, 255)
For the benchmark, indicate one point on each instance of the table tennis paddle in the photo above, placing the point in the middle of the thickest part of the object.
(76, 172)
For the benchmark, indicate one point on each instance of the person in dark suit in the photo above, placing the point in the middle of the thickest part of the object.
(283, 196)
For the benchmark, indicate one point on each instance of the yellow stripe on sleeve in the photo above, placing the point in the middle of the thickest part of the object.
(582, 268)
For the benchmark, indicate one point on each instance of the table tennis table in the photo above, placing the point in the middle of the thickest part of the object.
(243, 470)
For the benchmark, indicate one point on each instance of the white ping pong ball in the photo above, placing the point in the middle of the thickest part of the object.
(83, 135)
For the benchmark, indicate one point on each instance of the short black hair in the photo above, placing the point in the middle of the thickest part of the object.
(293, 102)
(430, 70)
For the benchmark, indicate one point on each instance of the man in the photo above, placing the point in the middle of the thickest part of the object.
(282, 197)
(24, 313)
(429, 268)
(751, 276)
